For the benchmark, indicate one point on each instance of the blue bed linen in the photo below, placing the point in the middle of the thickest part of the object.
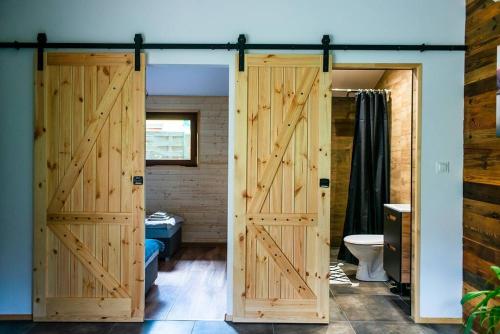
(152, 246)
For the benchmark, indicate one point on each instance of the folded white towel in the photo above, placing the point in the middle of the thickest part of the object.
(168, 221)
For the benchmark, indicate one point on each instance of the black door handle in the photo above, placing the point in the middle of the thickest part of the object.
(138, 180)
(324, 183)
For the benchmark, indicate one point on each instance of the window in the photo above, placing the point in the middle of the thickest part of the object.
(171, 138)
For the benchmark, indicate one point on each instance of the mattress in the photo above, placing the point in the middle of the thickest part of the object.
(163, 230)
(152, 248)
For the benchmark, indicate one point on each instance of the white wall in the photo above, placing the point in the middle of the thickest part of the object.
(187, 80)
(348, 21)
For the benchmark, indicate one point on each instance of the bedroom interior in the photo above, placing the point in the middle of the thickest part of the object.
(186, 179)
(248, 174)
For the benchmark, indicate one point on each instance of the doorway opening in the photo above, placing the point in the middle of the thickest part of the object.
(186, 192)
(387, 279)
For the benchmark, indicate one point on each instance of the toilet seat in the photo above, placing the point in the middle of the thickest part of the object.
(365, 239)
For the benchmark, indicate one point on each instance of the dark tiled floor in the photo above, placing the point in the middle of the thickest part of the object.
(220, 327)
(371, 308)
(368, 308)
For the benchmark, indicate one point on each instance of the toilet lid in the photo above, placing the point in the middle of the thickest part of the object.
(365, 239)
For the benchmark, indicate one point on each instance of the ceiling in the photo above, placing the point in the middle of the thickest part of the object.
(355, 79)
(187, 80)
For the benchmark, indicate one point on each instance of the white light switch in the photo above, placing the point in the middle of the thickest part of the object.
(442, 167)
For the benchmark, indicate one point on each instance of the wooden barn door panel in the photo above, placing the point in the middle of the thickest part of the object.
(89, 142)
(282, 215)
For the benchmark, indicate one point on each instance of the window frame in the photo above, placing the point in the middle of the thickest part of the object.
(192, 116)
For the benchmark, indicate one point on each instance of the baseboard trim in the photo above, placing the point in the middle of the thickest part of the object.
(445, 321)
(6, 317)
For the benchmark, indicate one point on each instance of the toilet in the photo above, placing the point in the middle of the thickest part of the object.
(368, 249)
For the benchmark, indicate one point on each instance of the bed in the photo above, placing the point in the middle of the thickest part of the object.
(170, 235)
(151, 250)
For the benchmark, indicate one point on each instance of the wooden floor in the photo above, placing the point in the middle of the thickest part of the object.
(190, 286)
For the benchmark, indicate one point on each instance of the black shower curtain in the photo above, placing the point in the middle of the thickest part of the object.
(370, 167)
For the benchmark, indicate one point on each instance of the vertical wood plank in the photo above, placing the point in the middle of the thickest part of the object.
(325, 107)
(240, 191)
(263, 156)
(312, 186)
(287, 290)
(139, 95)
(66, 106)
(126, 185)
(77, 131)
(300, 184)
(102, 177)
(40, 194)
(252, 128)
(89, 173)
(276, 190)
(114, 197)
(52, 173)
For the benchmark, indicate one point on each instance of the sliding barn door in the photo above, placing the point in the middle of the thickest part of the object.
(282, 150)
(89, 216)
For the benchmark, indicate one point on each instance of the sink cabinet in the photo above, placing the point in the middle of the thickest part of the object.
(397, 245)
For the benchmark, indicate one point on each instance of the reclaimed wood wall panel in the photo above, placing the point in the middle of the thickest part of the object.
(343, 118)
(481, 210)
(199, 194)
(399, 82)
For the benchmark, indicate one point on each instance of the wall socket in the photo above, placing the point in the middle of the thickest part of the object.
(442, 167)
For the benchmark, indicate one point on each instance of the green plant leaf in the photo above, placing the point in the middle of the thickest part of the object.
(474, 294)
(496, 271)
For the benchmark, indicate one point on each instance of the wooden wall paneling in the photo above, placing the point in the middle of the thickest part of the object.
(481, 147)
(198, 194)
(288, 179)
(399, 82)
(263, 157)
(343, 119)
(276, 192)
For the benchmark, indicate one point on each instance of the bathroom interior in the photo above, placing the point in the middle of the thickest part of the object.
(372, 176)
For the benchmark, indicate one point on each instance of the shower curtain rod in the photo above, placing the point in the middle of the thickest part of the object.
(349, 90)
